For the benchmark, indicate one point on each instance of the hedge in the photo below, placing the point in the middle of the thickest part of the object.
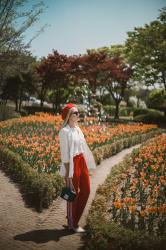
(123, 111)
(34, 109)
(140, 111)
(108, 150)
(7, 112)
(155, 118)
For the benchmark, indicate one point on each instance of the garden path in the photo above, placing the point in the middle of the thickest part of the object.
(22, 228)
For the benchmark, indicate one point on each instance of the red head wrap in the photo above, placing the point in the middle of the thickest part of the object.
(66, 109)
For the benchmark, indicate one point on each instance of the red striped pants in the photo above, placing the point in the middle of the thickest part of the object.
(81, 183)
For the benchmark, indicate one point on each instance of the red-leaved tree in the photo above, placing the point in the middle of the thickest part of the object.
(53, 72)
(115, 75)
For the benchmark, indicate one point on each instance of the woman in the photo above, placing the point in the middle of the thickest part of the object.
(76, 160)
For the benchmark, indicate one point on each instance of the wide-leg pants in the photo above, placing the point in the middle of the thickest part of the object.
(81, 183)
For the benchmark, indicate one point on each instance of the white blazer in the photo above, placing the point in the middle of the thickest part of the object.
(73, 142)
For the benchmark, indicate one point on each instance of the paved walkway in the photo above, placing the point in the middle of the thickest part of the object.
(23, 228)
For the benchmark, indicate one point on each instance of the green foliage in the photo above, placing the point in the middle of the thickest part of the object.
(7, 112)
(148, 116)
(105, 236)
(157, 99)
(113, 50)
(146, 51)
(140, 111)
(34, 109)
(110, 109)
(15, 20)
(127, 111)
(23, 112)
(11, 31)
(151, 117)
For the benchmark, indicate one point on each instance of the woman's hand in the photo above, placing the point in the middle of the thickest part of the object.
(68, 179)
(72, 186)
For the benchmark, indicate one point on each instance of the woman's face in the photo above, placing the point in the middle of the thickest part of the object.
(74, 117)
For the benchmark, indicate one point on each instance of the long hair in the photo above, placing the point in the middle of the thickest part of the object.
(67, 117)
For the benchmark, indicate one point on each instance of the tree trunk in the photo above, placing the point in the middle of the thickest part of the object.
(42, 95)
(41, 102)
(20, 103)
(16, 103)
(127, 100)
(20, 100)
(164, 81)
(138, 102)
(117, 102)
(89, 100)
(56, 101)
(116, 117)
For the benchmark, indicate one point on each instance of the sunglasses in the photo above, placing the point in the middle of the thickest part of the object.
(76, 113)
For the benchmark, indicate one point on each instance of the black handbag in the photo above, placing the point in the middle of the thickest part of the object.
(68, 194)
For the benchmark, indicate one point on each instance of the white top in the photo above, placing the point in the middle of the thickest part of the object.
(72, 142)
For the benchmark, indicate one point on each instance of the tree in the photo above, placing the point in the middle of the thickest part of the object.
(114, 50)
(141, 94)
(53, 74)
(16, 88)
(89, 68)
(85, 69)
(146, 51)
(127, 94)
(115, 76)
(94, 68)
(14, 21)
(102, 71)
(20, 80)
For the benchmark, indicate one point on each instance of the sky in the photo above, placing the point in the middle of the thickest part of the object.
(77, 25)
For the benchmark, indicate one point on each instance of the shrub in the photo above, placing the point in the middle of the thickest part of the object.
(140, 111)
(157, 99)
(126, 111)
(23, 112)
(7, 112)
(108, 150)
(123, 111)
(102, 235)
(109, 109)
(120, 121)
(153, 117)
(34, 109)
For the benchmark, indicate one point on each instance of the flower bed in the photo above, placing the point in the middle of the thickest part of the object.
(129, 211)
(33, 140)
(139, 200)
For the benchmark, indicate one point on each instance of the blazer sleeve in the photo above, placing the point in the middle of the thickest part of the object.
(64, 146)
